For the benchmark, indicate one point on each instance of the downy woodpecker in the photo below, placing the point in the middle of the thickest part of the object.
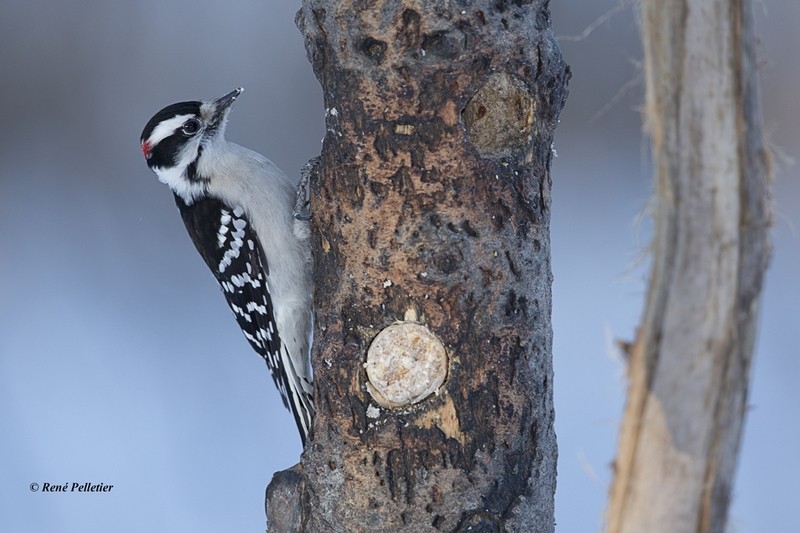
(237, 207)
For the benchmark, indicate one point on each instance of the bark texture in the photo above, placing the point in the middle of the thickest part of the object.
(432, 206)
(690, 364)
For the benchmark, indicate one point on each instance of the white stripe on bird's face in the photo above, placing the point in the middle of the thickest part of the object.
(176, 176)
(165, 129)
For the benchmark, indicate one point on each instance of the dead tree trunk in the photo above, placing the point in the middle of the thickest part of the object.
(431, 211)
(689, 366)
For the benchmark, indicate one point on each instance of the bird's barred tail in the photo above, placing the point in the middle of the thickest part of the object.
(300, 398)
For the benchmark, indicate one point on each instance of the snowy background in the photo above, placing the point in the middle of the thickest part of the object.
(120, 362)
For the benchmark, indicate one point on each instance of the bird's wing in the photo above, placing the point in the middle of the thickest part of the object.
(240, 266)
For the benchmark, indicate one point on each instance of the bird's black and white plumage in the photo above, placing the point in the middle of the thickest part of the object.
(237, 207)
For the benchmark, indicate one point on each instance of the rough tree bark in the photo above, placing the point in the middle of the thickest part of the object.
(431, 207)
(689, 365)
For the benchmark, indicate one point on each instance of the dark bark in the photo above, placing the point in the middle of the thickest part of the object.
(432, 205)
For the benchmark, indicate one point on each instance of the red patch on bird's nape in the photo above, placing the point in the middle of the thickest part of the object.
(146, 149)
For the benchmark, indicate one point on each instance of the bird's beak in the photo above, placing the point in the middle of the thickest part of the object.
(222, 103)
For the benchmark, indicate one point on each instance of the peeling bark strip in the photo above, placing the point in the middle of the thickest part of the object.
(416, 216)
(690, 364)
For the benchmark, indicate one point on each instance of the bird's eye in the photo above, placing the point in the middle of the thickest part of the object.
(190, 127)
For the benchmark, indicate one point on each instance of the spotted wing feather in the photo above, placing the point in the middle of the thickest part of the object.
(231, 249)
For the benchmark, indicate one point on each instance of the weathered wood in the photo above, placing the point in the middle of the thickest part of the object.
(433, 206)
(689, 366)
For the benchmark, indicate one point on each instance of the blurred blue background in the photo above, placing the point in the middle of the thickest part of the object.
(120, 362)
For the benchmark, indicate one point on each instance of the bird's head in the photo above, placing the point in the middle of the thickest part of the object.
(178, 136)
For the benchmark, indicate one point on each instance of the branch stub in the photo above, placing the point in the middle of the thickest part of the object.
(499, 118)
(406, 363)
